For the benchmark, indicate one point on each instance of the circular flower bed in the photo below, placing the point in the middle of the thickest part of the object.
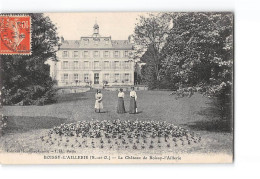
(120, 134)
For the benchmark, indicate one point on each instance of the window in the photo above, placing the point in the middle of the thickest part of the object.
(126, 53)
(86, 77)
(106, 54)
(65, 54)
(127, 77)
(86, 41)
(106, 77)
(86, 64)
(106, 41)
(66, 77)
(117, 65)
(116, 77)
(106, 64)
(86, 54)
(76, 77)
(116, 54)
(127, 65)
(96, 53)
(96, 65)
(65, 64)
(76, 54)
(76, 65)
(96, 40)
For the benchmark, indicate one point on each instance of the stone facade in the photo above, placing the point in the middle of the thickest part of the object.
(93, 60)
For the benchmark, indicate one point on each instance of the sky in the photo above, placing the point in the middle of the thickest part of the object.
(74, 25)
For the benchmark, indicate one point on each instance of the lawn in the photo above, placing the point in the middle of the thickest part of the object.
(27, 123)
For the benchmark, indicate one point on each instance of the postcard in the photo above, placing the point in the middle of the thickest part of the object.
(117, 88)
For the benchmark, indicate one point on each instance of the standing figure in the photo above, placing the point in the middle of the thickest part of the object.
(98, 103)
(133, 98)
(120, 104)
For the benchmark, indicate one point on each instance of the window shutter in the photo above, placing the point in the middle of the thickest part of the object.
(123, 64)
(70, 78)
(90, 78)
(130, 77)
(81, 65)
(72, 65)
(103, 77)
(113, 65)
(130, 65)
(62, 77)
(81, 77)
(120, 78)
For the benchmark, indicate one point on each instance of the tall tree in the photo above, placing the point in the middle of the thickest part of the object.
(150, 35)
(199, 50)
(198, 54)
(26, 78)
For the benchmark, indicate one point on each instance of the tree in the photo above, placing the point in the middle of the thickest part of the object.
(199, 49)
(26, 79)
(149, 36)
(198, 54)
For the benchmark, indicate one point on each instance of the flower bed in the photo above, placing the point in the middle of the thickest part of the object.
(3, 124)
(120, 134)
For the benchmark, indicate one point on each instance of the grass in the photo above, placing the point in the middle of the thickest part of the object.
(28, 123)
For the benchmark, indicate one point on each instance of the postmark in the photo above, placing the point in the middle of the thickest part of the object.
(15, 35)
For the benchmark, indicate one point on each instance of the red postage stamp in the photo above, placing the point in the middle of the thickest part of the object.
(15, 35)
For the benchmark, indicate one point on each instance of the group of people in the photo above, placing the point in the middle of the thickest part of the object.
(120, 104)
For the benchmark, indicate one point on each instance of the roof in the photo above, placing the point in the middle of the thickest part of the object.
(90, 43)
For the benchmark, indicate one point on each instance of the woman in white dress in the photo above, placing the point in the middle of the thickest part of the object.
(133, 98)
(98, 103)
(120, 104)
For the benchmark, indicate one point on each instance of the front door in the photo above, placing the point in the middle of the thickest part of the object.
(96, 78)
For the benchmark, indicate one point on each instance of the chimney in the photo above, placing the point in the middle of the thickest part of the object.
(62, 39)
(131, 39)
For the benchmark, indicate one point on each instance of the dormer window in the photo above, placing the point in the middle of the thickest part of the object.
(106, 41)
(96, 40)
(86, 41)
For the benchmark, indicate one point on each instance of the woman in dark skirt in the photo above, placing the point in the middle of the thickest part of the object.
(133, 98)
(120, 104)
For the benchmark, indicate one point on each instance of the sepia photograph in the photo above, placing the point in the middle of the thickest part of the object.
(117, 87)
